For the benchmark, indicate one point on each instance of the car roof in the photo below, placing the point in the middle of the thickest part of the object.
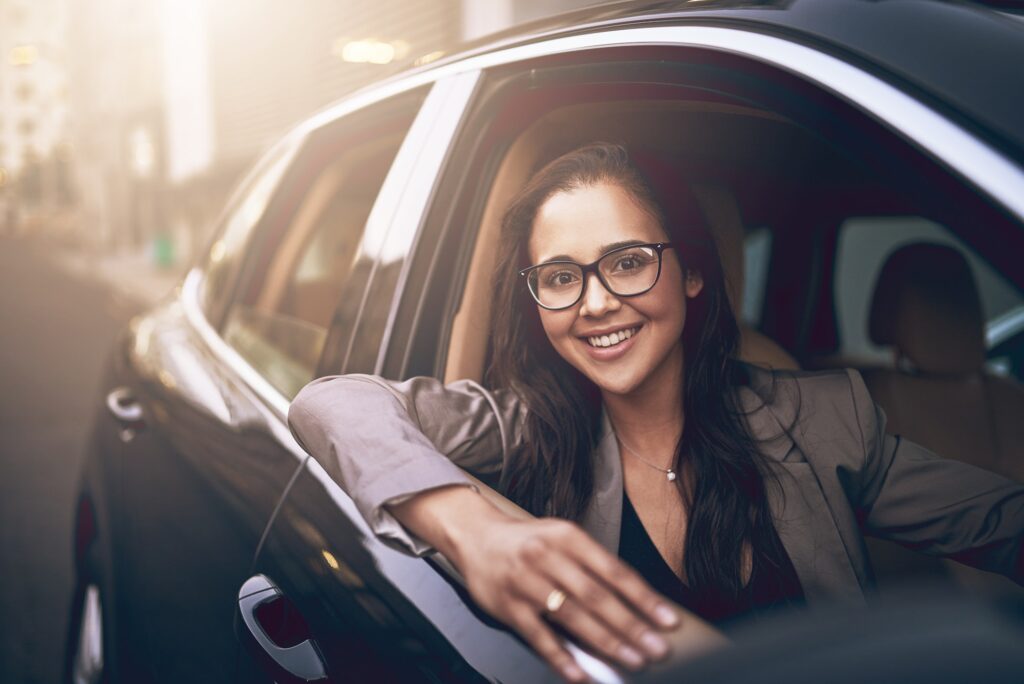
(961, 58)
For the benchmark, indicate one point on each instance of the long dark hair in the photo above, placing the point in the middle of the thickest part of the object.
(551, 471)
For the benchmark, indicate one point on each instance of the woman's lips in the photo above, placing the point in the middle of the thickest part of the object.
(613, 352)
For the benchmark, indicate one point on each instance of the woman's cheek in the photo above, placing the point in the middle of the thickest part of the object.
(558, 328)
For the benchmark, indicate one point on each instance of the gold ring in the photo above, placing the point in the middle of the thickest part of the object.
(554, 600)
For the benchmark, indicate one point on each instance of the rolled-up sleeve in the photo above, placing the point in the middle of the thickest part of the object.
(384, 441)
(936, 505)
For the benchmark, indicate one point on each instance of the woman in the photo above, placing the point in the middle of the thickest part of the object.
(618, 404)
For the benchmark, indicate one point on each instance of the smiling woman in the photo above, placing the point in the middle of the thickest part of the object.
(614, 370)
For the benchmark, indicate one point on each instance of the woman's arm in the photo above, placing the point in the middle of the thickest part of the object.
(936, 505)
(397, 449)
(384, 441)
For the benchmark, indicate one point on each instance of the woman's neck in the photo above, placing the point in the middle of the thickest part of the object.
(650, 420)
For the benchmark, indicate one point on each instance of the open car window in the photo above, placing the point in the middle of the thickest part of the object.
(784, 174)
(307, 271)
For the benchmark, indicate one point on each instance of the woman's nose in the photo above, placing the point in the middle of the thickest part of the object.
(597, 300)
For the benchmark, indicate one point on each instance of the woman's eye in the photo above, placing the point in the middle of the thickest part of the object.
(561, 279)
(627, 264)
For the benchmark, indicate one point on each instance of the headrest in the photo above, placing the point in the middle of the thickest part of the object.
(926, 304)
(722, 214)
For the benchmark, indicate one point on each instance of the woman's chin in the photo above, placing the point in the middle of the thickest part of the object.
(618, 385)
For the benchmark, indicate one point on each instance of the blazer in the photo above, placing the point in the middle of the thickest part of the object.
(840, 475)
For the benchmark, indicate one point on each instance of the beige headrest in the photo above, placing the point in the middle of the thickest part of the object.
(722, 213)
(926, 304)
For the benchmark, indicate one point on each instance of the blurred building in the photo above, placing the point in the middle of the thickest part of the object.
(116, 119)
(171, 100)
(269, 67)
(33, 100)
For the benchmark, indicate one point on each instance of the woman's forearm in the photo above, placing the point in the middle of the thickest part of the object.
(447, 518)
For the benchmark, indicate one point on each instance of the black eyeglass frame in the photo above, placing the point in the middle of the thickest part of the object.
(586, 269)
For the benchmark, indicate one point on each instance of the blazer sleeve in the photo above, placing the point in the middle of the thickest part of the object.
(384, 442)
(935, 505)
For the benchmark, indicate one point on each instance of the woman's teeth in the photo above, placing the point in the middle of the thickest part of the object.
(612, 339)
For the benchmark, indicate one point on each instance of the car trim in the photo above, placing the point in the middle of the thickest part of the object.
(407, 219)
(969, 156)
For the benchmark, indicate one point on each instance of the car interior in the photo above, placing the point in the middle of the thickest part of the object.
(803, 228)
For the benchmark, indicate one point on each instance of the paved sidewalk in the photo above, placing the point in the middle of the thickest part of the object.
(130, 276)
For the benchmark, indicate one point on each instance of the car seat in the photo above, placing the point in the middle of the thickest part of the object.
(926, 307)
(722, 214)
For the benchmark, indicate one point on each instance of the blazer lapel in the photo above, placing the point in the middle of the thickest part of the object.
(603, 517)
(803, 517)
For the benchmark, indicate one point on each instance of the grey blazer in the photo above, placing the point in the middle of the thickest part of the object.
(840, 475)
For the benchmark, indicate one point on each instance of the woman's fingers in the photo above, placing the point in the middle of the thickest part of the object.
(618, 629)
(544, 641)
(579, 620)
(624, 580)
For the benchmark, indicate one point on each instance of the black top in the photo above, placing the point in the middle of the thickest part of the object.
(768, 589)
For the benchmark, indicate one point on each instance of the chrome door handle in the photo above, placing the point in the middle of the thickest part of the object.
(126, 409)
(124, 406)
(301, 660)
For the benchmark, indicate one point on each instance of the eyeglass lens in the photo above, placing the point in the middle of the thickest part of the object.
(625, 272)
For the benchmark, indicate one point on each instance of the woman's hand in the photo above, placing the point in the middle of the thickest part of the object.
(512, 568)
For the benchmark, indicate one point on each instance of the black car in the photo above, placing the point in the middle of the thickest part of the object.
(818, 136)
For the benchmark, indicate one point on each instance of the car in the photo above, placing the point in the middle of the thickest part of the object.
(820, 138)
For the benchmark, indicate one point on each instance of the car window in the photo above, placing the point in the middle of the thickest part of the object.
(865, 242)
(245, 210)
(757, 252)
(307, 271)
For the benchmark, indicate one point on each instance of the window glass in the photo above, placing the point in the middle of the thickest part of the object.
(757, 252)
(310, 260)
(864, 245)
(246, 210)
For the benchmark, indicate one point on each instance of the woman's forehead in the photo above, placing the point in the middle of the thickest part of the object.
(581, 224)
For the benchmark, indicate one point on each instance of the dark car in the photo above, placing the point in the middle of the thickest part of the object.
(819, 138)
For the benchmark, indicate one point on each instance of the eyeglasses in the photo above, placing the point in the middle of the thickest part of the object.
(625, 272)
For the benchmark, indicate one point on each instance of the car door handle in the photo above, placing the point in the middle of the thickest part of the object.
(259, 601)
(124, 406)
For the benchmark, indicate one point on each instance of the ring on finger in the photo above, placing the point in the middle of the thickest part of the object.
(554, 600)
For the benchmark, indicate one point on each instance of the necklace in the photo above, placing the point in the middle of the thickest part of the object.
(670, 474)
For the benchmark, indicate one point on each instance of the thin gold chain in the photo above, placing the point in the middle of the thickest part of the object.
(669, 472)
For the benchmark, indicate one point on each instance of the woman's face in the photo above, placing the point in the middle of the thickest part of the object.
(583, 224)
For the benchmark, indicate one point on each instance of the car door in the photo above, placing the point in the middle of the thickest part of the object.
(210, 370)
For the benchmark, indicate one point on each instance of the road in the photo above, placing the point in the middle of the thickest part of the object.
(56, 332)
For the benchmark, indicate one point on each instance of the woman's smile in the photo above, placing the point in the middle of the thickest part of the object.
(611, 343)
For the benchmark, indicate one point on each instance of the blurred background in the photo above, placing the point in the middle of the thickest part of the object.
(124, 125)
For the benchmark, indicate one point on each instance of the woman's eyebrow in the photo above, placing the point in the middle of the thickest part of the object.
(619, 245)
(604, 249)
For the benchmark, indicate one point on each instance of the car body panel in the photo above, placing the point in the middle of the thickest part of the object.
(199, 482)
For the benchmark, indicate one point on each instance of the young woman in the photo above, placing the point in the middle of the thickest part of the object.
(660, 466)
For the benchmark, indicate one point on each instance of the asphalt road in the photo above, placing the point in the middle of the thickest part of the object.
(56, 331)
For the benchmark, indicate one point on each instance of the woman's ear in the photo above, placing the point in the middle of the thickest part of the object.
(693, 284)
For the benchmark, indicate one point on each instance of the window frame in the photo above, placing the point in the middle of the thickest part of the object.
(407, 165)
(321, 149)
